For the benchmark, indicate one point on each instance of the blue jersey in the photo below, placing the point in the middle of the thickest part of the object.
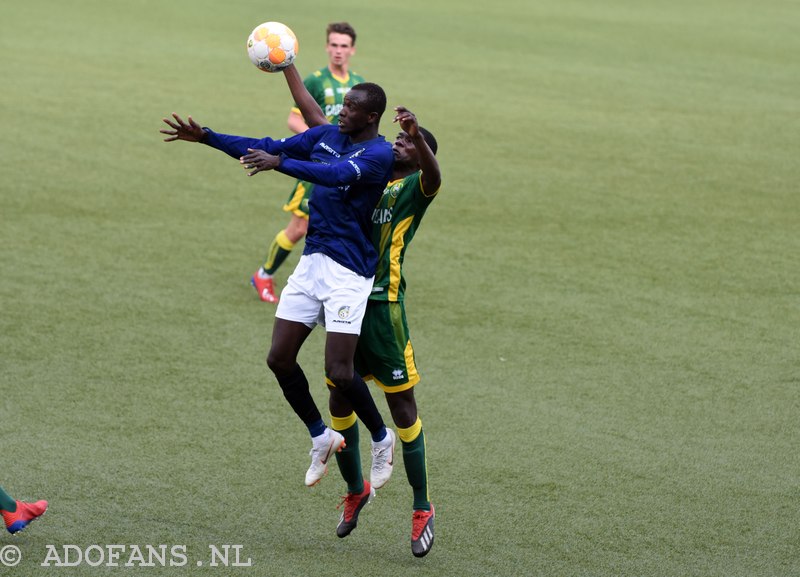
(349, 178)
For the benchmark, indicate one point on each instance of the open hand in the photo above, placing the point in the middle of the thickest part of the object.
(408, 122)
(191, 132)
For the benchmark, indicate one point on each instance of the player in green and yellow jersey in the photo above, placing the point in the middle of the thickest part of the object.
(384, 354)
(328, 87)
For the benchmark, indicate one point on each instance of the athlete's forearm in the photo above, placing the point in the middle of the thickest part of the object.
(309, 108)
(339, 174)
(236, 146)
(431, 174)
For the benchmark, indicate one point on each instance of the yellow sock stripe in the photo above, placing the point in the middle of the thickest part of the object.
(427, 481)
(283, 241)
(411, 433)
(280, 241)
(273, 251)
(342, 423)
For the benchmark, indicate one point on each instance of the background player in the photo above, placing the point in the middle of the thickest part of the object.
(328, 87)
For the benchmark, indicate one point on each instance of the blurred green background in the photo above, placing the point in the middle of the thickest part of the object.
(603, 300)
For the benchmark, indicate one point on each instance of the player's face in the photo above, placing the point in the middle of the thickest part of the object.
(405, 153)
(340, 48)
(354, 115)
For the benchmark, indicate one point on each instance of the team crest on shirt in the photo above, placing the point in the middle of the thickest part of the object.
(344, 312)
(394, 190)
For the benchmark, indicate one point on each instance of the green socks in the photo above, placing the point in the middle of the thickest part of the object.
(349, 458)
(280, 248)
(7, 503)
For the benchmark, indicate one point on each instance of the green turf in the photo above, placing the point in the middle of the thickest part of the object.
(604, 300)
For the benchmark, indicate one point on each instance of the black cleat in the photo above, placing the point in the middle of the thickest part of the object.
(353, 503)
(422, 532)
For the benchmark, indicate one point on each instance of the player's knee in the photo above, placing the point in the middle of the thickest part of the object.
(297, 229)
(338, 402)
(340, 375)
(403, 407)
(278, 364)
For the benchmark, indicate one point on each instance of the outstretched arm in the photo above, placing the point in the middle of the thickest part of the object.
(312, 113)
(431, 175)
(190, 132)
(239, 147)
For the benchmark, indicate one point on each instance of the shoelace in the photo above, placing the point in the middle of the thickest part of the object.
(348, 501)
(418, 521)
(380, 454)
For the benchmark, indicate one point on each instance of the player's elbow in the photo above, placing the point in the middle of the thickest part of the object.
(431, 185)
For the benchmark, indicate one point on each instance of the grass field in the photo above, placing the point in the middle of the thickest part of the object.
(604, 300)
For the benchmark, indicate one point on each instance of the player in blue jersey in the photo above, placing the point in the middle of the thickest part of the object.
(384, 352)
(349, 164)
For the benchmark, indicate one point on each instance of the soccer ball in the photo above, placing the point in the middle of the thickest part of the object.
(272, 46)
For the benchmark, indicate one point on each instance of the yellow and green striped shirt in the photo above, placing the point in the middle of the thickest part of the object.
(394, 223)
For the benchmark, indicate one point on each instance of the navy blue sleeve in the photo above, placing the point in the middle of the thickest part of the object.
(236, 146)
(370, 167)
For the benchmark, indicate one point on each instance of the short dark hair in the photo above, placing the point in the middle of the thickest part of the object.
(376, 97)
(429, 139)
(341, 28)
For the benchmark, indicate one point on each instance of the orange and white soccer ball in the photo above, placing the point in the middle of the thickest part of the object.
(272, 46)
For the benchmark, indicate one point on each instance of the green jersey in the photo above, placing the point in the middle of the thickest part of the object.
(395, 221)
(329, 90)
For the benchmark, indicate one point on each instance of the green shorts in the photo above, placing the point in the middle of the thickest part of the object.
(384, 352)
(297, 203)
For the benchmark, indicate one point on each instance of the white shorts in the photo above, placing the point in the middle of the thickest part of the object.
(321, 291)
